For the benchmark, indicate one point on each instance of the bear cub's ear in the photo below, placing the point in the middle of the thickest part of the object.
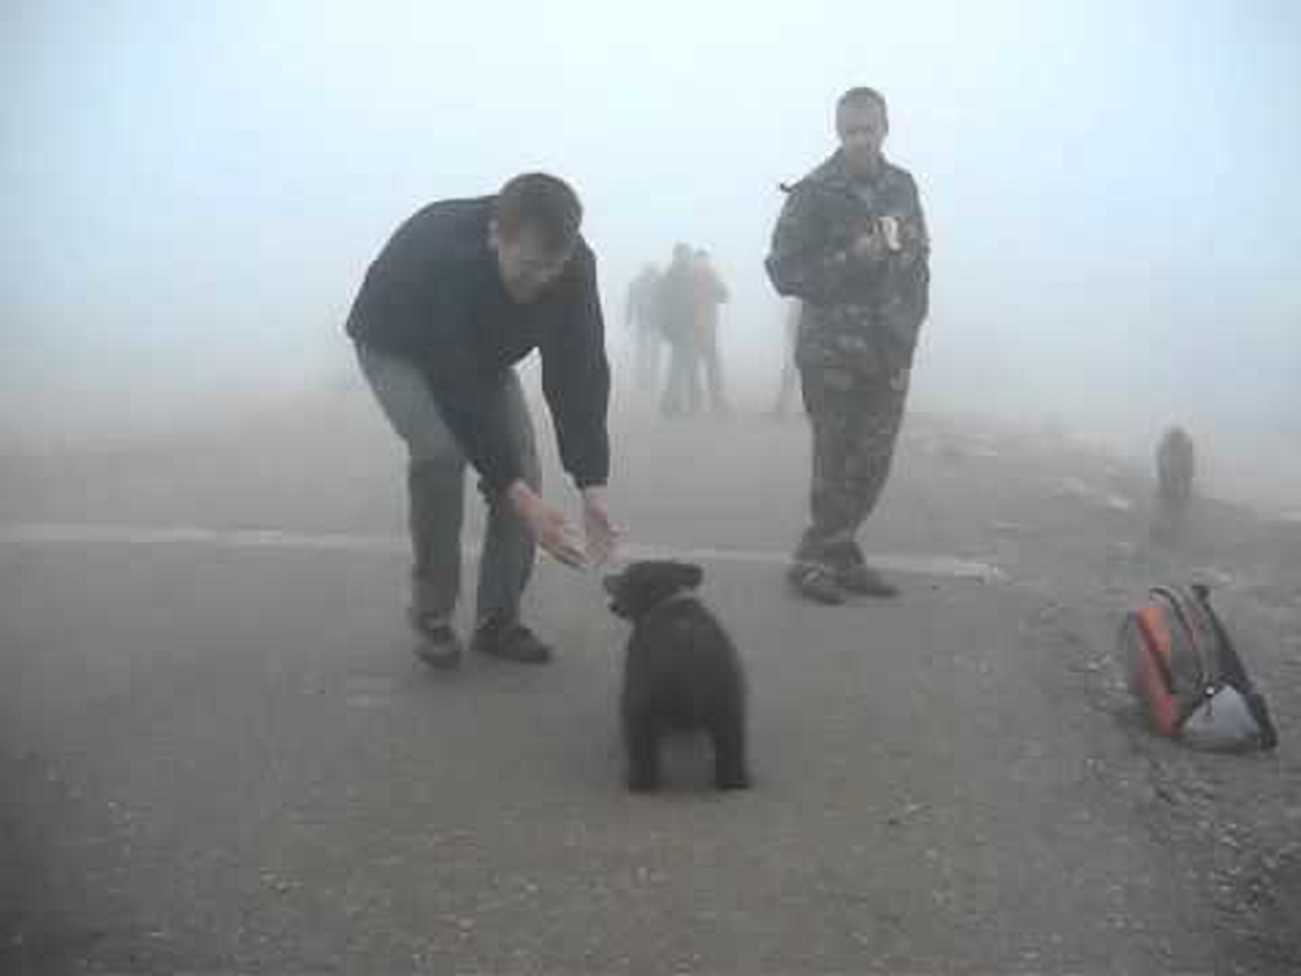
(687, 576)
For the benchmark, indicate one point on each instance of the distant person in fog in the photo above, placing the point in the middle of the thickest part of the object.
(641, 318)
(710, 293)
(789, 374)
(678, 322)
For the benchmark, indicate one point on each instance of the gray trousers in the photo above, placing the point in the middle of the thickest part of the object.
(436, 495)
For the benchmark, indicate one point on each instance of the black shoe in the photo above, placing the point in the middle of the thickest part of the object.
(439, 646)
(816, 583)
(510, 641)
(865, 581)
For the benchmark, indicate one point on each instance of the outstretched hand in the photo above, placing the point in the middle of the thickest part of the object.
(548, 526)
(600, 531)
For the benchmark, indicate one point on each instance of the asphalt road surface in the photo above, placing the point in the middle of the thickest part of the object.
(217, 753)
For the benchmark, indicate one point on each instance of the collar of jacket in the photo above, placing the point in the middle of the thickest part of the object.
(835, 173)
(832, 174)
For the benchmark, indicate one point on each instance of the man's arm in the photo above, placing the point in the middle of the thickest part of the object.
(471, 401)
(576, 379)
(576, 383)
(475, 408)
(803, 260)
(907, 283)
(814, 258)
(915, 237)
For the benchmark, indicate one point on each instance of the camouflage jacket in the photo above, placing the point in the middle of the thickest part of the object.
(861, 314)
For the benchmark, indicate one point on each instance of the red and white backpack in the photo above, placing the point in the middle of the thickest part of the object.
(1185, 670)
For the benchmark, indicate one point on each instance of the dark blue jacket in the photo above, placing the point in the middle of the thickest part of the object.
(434, 296)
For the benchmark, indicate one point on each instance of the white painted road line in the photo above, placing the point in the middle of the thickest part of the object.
(62, 533)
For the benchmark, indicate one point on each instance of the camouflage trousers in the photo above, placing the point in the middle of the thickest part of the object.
(855, 425)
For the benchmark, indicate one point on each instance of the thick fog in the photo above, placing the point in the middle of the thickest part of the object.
(193, 191)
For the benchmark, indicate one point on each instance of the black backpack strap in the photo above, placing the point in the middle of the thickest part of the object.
(1230, 668)
(1183, 609)
(1234, 672)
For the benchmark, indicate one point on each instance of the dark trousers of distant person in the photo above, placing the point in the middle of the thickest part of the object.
(682, 393)
(855, 425)
(647, 355)
(436, 496)
(713, 367)
(789, 374)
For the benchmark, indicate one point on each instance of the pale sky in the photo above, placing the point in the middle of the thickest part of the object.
(193, 190)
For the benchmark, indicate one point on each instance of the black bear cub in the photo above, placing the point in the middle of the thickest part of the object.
(682, 672)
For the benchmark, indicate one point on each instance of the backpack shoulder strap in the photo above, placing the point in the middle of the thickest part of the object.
(1191, 614)
(1234, 673)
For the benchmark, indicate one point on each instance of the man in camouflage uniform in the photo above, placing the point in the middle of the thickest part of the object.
(851, 243)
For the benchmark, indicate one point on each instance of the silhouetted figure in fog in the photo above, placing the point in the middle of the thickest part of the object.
(710, 292)
(1176, 465)
(461, 292)
(677, 311)
(851, 243)
(790, 329)
(641, 318)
